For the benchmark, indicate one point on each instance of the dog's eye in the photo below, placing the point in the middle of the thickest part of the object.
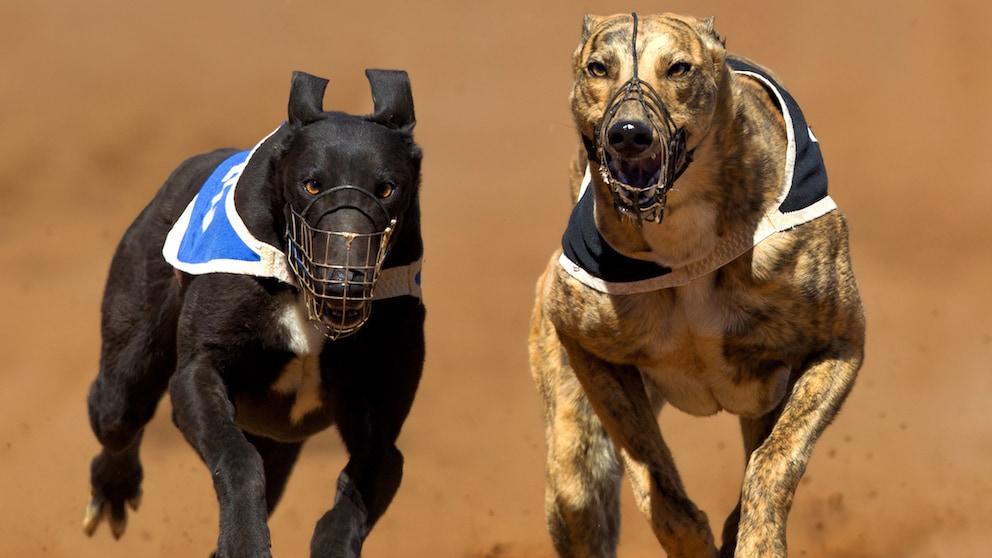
(679, 69)
(384, 190)
(312, 187)
(597, 69)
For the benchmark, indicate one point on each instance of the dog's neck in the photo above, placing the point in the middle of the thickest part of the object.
(711, 200)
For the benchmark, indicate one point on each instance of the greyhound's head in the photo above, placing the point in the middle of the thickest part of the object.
(347, 183)
(645, 91)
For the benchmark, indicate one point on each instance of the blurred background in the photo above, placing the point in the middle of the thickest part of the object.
(100, 100)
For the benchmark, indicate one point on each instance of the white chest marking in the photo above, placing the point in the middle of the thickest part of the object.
(300, 376)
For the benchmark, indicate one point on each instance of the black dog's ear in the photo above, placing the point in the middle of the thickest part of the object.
(306, 98)
(393, 99)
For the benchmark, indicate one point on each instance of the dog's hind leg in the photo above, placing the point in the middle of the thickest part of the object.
(582, 492)
(115, 480)
(138, 356)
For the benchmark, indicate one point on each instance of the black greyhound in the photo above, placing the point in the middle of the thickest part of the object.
(270, 315)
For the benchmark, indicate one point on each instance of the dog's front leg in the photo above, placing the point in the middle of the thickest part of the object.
(582, 471)
(618, 396)
(774, 469)
(205, 415)
(365, 488)
(373, 388)
(372, 476)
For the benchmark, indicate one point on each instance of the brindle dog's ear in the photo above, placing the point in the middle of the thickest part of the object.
(306, 98)
(589, 22)
(717, 44)
(393, 99)
(707, 28)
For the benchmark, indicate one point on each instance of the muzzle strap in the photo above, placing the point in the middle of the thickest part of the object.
(403, 280)
(641, 203)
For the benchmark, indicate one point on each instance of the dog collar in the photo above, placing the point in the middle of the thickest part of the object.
(589, 258)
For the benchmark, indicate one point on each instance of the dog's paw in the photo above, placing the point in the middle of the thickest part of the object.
(115, 481)
(100, 508)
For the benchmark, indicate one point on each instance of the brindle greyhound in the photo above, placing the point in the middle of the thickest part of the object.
(704, 265)
(280, 299)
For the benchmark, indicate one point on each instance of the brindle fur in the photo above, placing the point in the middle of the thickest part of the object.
(776, 336)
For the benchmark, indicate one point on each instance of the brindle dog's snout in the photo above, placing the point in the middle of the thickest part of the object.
(630, 138)
(343, 259)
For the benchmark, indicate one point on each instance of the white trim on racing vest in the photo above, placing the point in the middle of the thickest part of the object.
(587, 256)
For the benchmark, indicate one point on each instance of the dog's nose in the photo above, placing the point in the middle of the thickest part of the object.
(630, 138)
(341, 283)
(345, 276)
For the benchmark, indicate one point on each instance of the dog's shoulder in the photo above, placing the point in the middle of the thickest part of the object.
(232, 316)
(256, 333)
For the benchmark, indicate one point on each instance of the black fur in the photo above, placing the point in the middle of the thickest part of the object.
(215, 343)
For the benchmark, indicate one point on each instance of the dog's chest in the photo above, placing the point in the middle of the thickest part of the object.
(301, 376)
(676, 339)
(692, 373)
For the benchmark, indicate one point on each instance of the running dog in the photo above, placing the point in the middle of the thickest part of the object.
(704, 265)
(273, 292)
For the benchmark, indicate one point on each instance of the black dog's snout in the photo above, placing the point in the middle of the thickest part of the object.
(346, 276)
(630, 138)
(344, 284)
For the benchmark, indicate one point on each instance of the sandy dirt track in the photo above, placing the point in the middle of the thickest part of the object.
(100, 100)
